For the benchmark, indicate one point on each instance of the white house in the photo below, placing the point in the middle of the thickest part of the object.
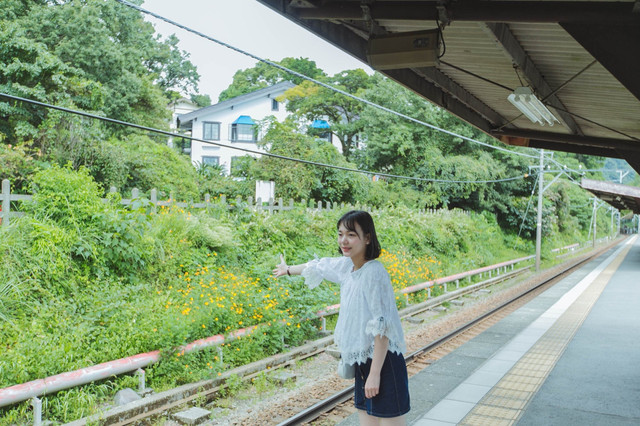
(232, 123)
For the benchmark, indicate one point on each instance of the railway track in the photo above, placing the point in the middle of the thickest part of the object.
(332, 401)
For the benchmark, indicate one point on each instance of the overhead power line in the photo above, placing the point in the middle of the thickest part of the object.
(282, 157)
(297, 74)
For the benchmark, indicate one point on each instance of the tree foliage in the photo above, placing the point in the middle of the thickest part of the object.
(264, 75)
(304, 181)
(97, 56)
(88, 54)
(311, 102)
(456, 166)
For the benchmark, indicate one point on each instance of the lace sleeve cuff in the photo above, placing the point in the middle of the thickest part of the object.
(312, 276)
(377, 327)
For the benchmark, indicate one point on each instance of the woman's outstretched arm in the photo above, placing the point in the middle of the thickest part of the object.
(284, 269)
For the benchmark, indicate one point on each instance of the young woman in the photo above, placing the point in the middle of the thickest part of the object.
(368, 333)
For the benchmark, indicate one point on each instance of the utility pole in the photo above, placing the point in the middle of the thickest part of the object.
(612, 235)
(595, 218)
(620, 172)
(539, 219)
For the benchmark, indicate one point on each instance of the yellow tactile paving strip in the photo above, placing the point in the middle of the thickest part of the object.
(506, 401)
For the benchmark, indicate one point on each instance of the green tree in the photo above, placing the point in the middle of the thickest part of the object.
(89, 54)
(152, 165)
(402, 147)
(310, 101)
(201, 100)
(393, 143)
(28, 69)
(304, 181)
(264, 75)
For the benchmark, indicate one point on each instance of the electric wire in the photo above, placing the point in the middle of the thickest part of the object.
(557, 89)
(444, 45)
(297, 74)
(479, 77)
(282, 157)
(554, 106)
(142, 10)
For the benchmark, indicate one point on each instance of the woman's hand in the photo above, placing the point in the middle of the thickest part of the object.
(372, 385)
(280, 269)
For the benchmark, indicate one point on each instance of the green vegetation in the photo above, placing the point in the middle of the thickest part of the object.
(83, 281)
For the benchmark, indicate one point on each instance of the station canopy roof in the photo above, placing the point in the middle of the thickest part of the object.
(581, 58)
(622, 197)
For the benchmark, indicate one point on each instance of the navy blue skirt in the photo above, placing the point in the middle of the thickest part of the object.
(393, 398)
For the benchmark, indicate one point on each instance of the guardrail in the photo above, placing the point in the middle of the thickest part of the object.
(457, 277)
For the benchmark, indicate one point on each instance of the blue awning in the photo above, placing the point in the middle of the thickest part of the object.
(244, 119)
(320, 124)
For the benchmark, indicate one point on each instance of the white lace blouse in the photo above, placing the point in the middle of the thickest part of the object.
(367, 306)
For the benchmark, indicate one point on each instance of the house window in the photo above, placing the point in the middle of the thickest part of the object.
(243, 129)
(326, 136)
(321, 130)
(210, 161)
(210, 131)
(242, 132)
(275, 105)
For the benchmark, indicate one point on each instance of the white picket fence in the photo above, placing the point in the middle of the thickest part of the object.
(270, 206)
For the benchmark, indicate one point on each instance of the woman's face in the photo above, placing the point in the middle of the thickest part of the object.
(353, 244)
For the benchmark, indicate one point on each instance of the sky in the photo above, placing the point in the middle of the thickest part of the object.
(245, 24)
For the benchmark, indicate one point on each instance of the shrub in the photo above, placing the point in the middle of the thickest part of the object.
(68, 198)
(154, 165)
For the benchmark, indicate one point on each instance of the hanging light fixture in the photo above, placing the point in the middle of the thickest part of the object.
(524, 99)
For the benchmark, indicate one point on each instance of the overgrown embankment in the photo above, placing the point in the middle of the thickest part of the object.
(84, 282)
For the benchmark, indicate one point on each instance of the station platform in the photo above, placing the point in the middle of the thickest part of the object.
(571, 356)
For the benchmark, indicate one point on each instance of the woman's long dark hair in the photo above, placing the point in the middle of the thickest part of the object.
(365, 221)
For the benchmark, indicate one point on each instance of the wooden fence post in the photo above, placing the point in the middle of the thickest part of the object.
(6, 202)
(154, 200)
